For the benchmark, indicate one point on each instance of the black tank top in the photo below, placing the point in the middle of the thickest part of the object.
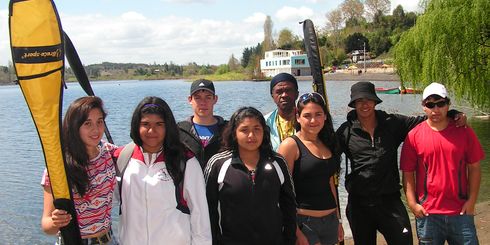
(311, 176)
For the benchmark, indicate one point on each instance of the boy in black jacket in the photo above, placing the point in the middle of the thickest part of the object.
(201, 132)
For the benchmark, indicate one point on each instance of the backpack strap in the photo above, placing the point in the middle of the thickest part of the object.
(123, 159)
(121, 165)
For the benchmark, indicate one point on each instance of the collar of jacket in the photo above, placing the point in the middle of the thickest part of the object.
(235, 159)
(381, 117)
(188, 125)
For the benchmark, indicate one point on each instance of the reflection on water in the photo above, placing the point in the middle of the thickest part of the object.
(22, 159)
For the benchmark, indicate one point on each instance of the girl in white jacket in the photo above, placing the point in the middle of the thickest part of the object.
(163, 197)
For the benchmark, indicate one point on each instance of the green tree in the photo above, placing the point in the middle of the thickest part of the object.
(287, 40)
(191, 69)
(356, 41)
(450, 44)
(222, 69)
(398, 16)
(380, 41)
(247, 52)
(206, 70)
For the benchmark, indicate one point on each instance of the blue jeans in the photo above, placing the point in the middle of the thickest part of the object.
(455, 229)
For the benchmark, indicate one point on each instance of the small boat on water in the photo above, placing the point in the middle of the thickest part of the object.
(398, 90)
(387, 90)
(412, 91)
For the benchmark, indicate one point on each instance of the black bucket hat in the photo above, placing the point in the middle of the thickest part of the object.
(363, 90)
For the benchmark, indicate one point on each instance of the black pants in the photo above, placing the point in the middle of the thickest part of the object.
(384, 214)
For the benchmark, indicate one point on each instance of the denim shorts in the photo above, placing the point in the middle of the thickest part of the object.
(322, 230)
(455, 229)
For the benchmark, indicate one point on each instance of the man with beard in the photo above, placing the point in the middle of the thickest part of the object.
(284, 92)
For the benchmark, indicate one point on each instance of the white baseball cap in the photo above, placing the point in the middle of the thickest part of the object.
(435, 89)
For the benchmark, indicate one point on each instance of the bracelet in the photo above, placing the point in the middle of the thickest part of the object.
(340, 221)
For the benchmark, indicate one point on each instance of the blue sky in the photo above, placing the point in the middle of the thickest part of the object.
(179, 31)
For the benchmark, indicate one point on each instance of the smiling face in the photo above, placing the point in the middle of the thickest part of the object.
(152, 132)
(311, 118)
(92, 129)
(284, 95)
(365, 108)
(202, 103)
(249, 134)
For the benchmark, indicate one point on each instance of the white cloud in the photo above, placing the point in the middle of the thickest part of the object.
(132, 37)
(4, 38)
(408, 5)
(287, 13)
(256, 18)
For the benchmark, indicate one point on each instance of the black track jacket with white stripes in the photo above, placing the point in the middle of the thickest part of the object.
(250, 208)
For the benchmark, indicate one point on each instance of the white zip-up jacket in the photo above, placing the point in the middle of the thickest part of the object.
(148, 211)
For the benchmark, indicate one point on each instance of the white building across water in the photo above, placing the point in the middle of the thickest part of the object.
(276, 61)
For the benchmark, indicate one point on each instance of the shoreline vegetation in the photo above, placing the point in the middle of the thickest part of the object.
(371, 74)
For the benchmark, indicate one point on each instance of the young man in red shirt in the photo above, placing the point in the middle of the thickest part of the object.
(441, 173)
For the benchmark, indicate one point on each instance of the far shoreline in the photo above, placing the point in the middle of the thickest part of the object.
(347, 75)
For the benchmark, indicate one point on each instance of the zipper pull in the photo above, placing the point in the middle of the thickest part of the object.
(252, 176)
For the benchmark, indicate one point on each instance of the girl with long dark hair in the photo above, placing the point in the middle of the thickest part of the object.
(249, 190)
(90, 172)
(312, 155)
(163, 196)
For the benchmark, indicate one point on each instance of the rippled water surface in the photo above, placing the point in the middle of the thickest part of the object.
(22, 162)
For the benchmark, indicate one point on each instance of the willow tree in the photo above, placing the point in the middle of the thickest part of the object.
(450, 44)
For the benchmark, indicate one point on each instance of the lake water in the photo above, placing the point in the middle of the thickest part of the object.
(22, 165)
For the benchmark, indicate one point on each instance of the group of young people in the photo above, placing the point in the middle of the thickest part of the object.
(269, 179)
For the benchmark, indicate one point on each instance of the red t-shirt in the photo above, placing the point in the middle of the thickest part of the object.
(440, 158)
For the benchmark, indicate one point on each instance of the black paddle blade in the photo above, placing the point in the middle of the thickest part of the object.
(313, 52)
(76, 65)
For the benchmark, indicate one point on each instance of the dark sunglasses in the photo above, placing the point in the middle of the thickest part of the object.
(439, 104)
(308, 96)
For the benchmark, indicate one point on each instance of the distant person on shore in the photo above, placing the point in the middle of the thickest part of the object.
(163, 195)
(441, 173)
(90, 171)
(248, 186)
(281, 121)
(313, 157)
(370, 139)
(201, 132)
